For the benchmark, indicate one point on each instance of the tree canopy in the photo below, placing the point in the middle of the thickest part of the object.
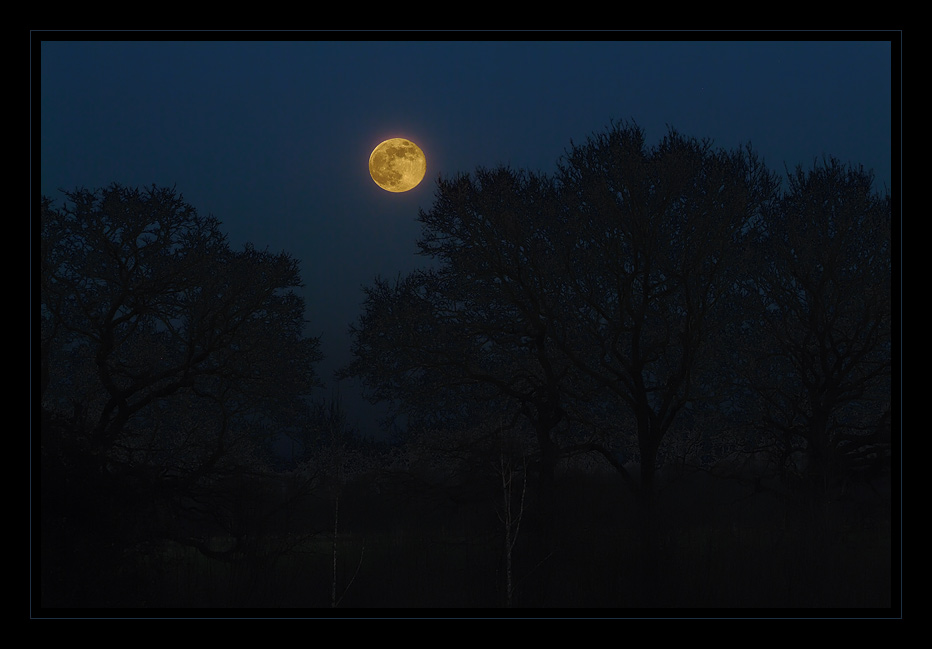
(169, 361)
(644, 304)
(822, 314)
(610, 303)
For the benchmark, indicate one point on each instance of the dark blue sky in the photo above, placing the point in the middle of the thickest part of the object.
(273, 138)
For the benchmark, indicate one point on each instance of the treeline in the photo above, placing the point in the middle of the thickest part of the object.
(647, 316)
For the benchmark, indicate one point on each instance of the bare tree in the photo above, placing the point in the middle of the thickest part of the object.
(822, 364)
(336, 460)
(654, 241)
(591, 299)
(168, 358)
(447, 344)
(511, 511)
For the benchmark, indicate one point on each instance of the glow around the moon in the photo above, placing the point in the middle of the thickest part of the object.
(397, 165)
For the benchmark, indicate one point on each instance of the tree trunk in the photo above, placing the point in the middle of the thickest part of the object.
(649, 528)
(541, 525)
(336, 520)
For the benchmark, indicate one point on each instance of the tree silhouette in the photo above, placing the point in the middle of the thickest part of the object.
(466, 343)
(654, 241)
(636, 294)
(168, 359)
(604, 286)
(823, 307)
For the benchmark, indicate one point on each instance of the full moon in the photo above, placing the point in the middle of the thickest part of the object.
(397, 165)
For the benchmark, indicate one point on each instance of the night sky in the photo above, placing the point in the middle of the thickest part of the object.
(273, 138)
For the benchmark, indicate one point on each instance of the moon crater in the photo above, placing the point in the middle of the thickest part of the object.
(397, 165)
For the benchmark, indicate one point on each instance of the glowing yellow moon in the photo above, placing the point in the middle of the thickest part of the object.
(397, 165)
